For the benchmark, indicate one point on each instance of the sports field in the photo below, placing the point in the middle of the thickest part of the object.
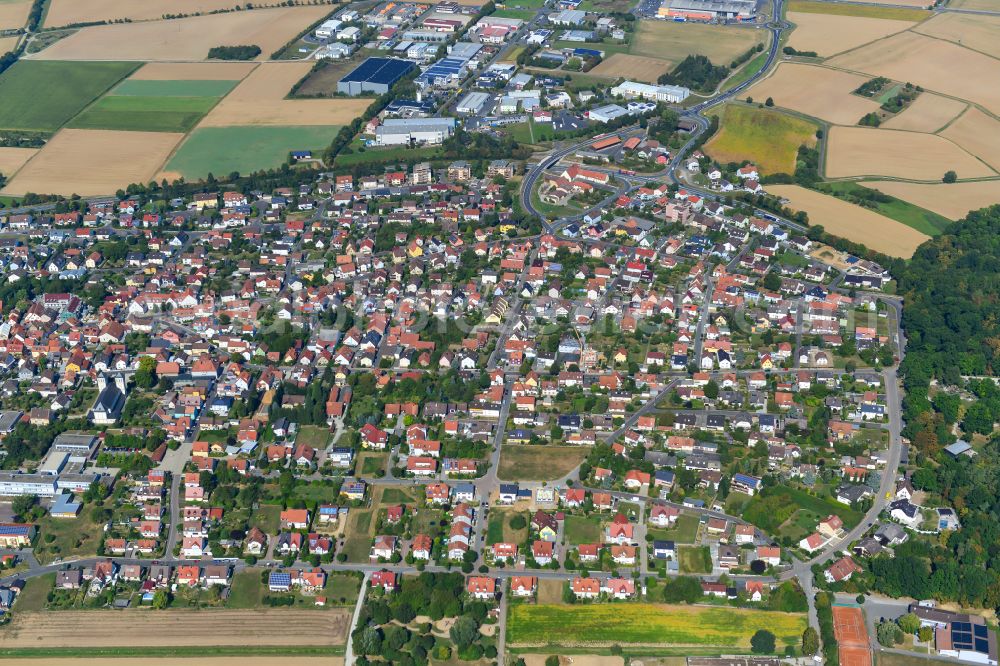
(144, 114)
(927, 113)
(646, 624)
(953, 200)
(852, 636)
(673, 42)
(68, 12)
(93, 162)
(768, 138)
(186, 38)
(931, 63)
(854, 223)
(815, 91)
(828, 34)
(182, 627)
(222, 150)
(260, 100)
(864, 151)
(14, 13)
(42, 96)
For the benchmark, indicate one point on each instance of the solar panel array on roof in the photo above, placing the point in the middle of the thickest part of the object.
(8, 530)
(375, 75)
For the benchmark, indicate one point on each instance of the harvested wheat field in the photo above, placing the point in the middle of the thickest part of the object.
(855, 223)
(259, 100)
(575, 660)
(675, 41)
(12, 159)
(8, 44)
(203, 660)
(640, 68)
(193, 71)
(931, 63)
(815, 91)
(80, 162)
(978, 133)
(927, 113)
(828, 34)
(186, 38)
(952, 200)
(977, 32)
(68, 12)
(142, 628)
(14, 14)
(863, 151)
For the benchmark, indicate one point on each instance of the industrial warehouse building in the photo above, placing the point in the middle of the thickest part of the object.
(375, 75)
(403, 131)
(665, 93)
(472, 103)
(709, 10)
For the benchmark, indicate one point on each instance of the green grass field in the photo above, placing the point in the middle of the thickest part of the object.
(144, 88)
(919, 218)
(144, 114)
(247, 590)
(523, 14)
(769, 512)
(768, 138)
(695, 559)
(582, 529)
(642, 623)
(863, 11)
(35, 593)
(685, 530)
(42, 95)
(222, 150)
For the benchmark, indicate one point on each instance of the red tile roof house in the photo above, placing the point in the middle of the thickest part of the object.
(619, 588)
(504, 552)
(588, 552)
(634, 479)
(295, 519)
(543, 552)
(624, 555)
(421, 547)
(812, 543)
(842, 569)
(523, 586)
(620, 530)
(585, 588)
(481, 587)
(662, 515)
(385, 547)
(384, 579)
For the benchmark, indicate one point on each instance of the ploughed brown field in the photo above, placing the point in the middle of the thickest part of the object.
(183, 627)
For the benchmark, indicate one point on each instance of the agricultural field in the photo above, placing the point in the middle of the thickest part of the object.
(864, 151)
(133, 87)
(14, 13)
(646, 624)
(673, 42)
(639, 68)
(928, 113)
(12, 159)
(977, 133)
(201, 660)
(168, 628)
(193, 71)
(186, 38)
(829, 34)
(539, 463)
(769, 138)
(222, 150)
(815, 91)
(68, 12)
(76, 161)
(973, 31)
(43, 96)
(881, 11)
(144, 113)
(923, 220)
(8, 43)
(855, 223)
(950, 200)
(930, 63)
(260, 100)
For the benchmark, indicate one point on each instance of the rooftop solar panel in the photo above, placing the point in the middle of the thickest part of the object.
(980, 630)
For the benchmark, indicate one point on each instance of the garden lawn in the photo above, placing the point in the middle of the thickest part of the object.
(685, 530)
(317, 437)
(695, 559)
(771, 510)
(646, 624)
(35, 593)
(43, 95)
(267, 518)
(582, 529)
(247, 591)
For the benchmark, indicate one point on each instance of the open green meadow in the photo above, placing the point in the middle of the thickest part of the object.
(43, 95)
(921, 219)
(144, 114)
(523, 14)
(222, 150)
(155, 88)
(647, 624)
(768, 138)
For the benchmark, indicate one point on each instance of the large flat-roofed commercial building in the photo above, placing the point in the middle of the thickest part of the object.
(708, 10)
(473, 102)
(375, 75)
(663, 93)
(402, 131)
